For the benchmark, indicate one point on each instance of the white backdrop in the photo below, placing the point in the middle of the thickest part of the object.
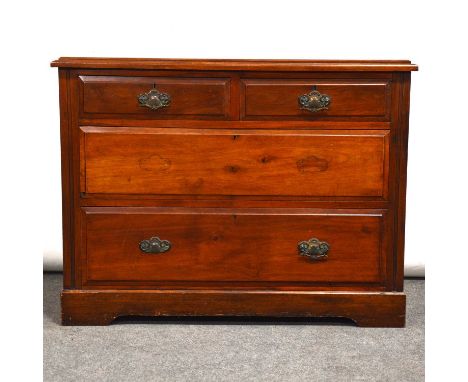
(201, 29)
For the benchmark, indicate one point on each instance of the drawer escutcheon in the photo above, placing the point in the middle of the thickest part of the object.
(314, 101)
(314, 249)
(154, 99)
(155, 245)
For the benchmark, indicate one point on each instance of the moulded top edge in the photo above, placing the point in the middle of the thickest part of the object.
(237, 65)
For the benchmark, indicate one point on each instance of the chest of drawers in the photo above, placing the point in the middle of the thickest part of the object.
(233, 187)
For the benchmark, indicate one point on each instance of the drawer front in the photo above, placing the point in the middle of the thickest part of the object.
(223, 245)
(321, 99)
(234, 162)
(165, 97)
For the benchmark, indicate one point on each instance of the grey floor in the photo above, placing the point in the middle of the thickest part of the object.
(192, 350)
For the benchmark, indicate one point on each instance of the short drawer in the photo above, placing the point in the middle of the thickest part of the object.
(156, 97)
(168, 245)
(234, 162)
(315, 99)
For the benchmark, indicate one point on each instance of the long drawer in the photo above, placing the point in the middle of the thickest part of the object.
(336, 163)
(167, 245)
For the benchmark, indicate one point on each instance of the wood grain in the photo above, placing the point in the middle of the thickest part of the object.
(157, 161)
(238, 65)
(190, 97)
(235, 175)
(278, 98)
(232, 245)
(402, 112)
(85, 307)
(354, 123)
(67, 179)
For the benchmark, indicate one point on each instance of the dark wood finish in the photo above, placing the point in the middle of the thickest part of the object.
(243, 124)
(106, 137)
(278, 98)
(75, 166)
(191, 97)
(67, 180)
(237, 65)
(85, 307)
(233, 245)
(220, 162)
(403, 121)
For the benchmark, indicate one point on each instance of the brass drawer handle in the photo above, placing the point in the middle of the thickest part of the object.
(155, 245)
(314, 249)
(314, 101)
(154, 99)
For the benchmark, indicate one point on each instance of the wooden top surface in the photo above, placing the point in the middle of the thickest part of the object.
(241, 65)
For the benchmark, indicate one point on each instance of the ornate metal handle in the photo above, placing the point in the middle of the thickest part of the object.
(314, 101)
(155, 245)
(154, 99)
(314, 249)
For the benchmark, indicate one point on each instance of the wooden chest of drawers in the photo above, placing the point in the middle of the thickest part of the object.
(233, 187)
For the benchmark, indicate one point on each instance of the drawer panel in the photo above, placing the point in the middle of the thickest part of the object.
(279, 99)
(189, 97)
(232, 245)
(234, 162)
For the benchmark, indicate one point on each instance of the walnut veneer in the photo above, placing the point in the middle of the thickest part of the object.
(233, 187)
